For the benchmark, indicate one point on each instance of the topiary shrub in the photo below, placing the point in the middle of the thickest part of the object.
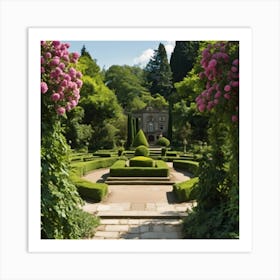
(162, 141)
(140, 139)
(141, 161)
(141, 151)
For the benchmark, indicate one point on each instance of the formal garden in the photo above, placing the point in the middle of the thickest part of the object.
(88, 123)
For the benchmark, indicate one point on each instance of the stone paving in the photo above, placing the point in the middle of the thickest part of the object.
(138, 211)
(139, 220)
(139, 229)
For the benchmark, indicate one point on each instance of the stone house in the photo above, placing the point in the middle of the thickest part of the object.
(153, 122)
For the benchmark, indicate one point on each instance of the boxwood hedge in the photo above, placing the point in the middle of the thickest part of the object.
(82, 168)
(186, 191)
(119, 169)
(93, 191)
(188, 165)
(141, 162)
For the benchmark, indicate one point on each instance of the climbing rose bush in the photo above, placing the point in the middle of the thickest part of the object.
(220, 73)
(60, 81)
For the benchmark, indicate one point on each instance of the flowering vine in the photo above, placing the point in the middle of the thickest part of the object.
(60, 81)
(220, 65)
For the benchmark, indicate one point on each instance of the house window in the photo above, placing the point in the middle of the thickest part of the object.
(162, 118)
(150, 127)
(161, 127)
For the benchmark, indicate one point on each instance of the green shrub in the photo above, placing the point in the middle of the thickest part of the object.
(188, 165)
(141, 151)
(186, 191)
(141, 161)
(140, 139)
(119, 169)
(120, 151)
(163, 152)
(86, 189)
(82, 168)
(162, 141)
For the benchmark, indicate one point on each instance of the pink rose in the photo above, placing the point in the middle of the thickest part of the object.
(60, 110)
(227, 96)
(212, 63)
(227, 88)
(235, 62)
(44, 87)
(48, 55)
(234, 118)
(218, 94)
(55, 97)
(201, 107)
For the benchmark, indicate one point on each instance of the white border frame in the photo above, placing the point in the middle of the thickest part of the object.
(243, 35)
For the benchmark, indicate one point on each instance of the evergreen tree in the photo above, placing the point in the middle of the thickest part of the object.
(158, 73)
(183, 58)
(84, 52)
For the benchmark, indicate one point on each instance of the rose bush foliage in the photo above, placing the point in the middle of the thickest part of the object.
(220, 73)
(61, 213)
(60, 81)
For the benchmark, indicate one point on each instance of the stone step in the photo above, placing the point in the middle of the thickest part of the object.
(140, 182)
(138, 178)
(136, 214)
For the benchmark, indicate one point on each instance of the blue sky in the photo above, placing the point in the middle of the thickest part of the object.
(108, 53)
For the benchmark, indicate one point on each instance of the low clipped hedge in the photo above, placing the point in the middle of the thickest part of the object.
(103, 154)
(82, 168)
(88, 190)
(172, 154)
(119, 169)
(186, 191)
(141, 162)
(188, 165)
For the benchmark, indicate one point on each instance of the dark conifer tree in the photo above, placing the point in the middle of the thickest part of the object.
(84, 52)
(158, 73)
(183, 58)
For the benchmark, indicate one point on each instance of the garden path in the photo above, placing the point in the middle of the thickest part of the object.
(138, 211)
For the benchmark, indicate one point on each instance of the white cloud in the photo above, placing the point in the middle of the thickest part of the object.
(169, 47)
(144, 58)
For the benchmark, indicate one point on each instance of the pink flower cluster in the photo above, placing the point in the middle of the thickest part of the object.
(221, 75)
(60, 81)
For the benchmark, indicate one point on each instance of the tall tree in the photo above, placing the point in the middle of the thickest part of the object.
(183, 58)
(128, 84)
(158, 73)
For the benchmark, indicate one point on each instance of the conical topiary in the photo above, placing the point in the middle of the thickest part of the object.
(140, 139)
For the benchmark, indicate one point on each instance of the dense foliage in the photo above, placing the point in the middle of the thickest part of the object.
(217, 213)
(102, 112)
(61, 215)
